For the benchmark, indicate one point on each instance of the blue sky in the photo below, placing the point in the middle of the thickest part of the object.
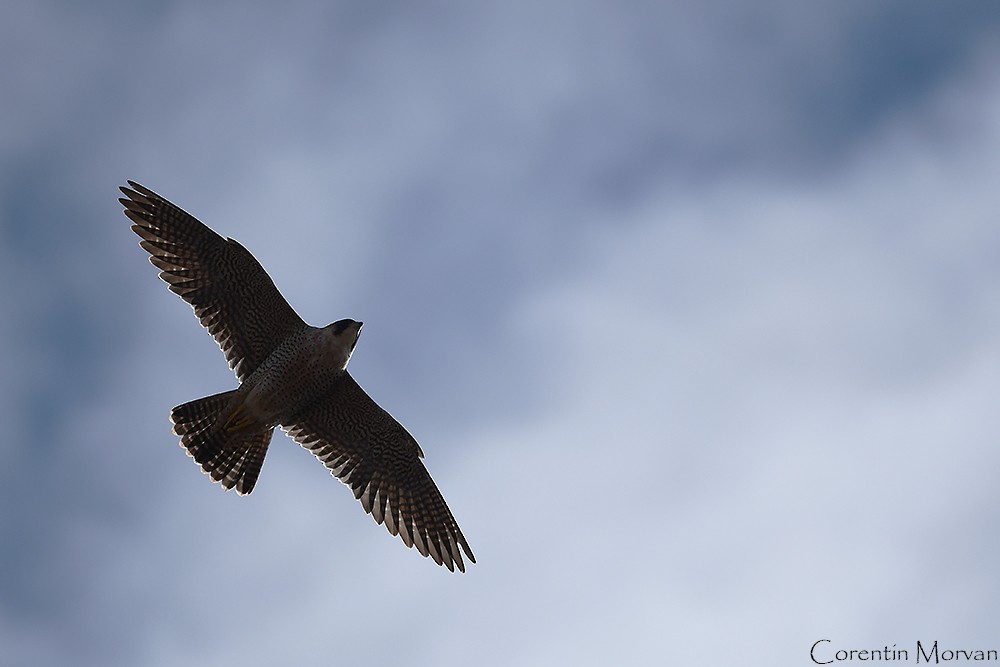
(693, 307)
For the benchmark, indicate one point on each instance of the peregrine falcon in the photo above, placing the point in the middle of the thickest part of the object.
(291, 375)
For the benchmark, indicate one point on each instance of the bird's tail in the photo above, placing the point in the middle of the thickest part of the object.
(230, 455)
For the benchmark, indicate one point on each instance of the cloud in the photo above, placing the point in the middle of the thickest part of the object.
(694, 352)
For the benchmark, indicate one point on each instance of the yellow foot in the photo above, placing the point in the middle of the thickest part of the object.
(238, 420)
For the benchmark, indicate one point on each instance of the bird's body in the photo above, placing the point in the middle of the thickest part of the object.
(291, 375)
(305, 365)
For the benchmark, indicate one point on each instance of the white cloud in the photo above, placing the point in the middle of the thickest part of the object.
(725, 411)
(770, 397)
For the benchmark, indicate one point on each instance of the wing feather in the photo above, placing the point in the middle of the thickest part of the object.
(228, 289)
(369, 451)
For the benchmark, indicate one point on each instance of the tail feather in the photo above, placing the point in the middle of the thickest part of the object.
(232, 458)
(244, 474)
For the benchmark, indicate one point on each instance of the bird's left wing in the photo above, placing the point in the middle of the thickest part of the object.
(379, 460)
(229, 290)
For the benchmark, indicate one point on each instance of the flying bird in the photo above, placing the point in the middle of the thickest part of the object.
(291, 375)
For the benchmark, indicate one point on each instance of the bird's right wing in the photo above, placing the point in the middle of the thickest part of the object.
(369, 451)
(230, 292)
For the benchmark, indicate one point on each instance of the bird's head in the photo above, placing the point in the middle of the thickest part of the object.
(343, 336)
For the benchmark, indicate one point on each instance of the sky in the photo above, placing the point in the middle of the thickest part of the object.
(693, 307)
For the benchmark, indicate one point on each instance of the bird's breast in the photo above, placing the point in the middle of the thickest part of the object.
(293, 376)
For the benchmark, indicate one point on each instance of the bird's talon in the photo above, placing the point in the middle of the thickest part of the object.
(235, 421)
